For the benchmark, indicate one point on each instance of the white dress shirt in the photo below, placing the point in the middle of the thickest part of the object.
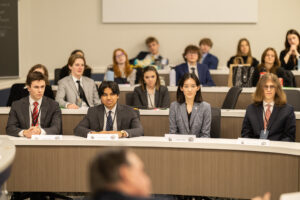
(31, 107)
(76, 85)
(114, 118)
(190, 69)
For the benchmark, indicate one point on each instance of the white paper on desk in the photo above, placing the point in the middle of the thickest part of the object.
(290, 196)
(180, 138)
(46, 137)
(256, 142)
(102, 136)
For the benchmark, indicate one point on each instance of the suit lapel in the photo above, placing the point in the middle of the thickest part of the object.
(43, 111)
(118, 116)
(144, 96)
(25, 111)
(273, 116)
(194, 114)
(186, 69)
(184, 117)
(85, 89)
(72, 84)
(259, 113)
(199, 72)
(101, 117)
(156, 96)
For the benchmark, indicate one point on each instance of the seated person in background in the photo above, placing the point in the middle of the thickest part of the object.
(65, 70)
(117, 174)
(35, 114)
(207, 58)
(269, 64)
(151, 57)
(269, 117)
(19, 91)
(290, 56)
(120, 71)
(151, 94)
(110, 117)
(190, 114)
(191, 56)
(76, 90)
(243, 54)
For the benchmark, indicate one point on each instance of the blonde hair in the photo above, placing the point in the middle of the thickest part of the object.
(258, 96)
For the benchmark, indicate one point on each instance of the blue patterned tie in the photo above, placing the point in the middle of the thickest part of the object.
(109, 122)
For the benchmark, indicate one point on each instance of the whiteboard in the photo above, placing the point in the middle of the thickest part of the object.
(179, 11)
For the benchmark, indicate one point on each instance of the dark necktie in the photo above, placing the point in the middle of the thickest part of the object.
(109, 122)
(193, 70)
(81, 93)
(35, 114)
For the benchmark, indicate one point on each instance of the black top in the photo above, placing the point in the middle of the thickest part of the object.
(65, 71)
(256, 75)
(106, 195)
(290, 65)
(18, 91)
(254, 61)
(189, 116)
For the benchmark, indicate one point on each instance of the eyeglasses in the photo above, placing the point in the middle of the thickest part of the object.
(271, 87)
(120, 55)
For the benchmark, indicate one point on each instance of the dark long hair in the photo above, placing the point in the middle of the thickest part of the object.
(276, 64)
(180, 95)
(142, 81)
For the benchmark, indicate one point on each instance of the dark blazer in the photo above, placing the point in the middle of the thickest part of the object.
(127, 120)
(203, 72)
(19, 119)
(140, 100)
(211, 61)
(107, 195)
(282, 123)
(290, 65)
(18, 91)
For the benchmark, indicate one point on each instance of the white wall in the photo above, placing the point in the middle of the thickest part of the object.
(51, 29)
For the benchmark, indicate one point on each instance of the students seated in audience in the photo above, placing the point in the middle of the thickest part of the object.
(192, 56)
(151, 57)
(19, 90)
(269, 117)
(150, 94)
(243, 54)
(120, 71)
(269, 64)
(190, 114)
(35, 114)
(65, 70)
(117, 174)
(291, 54)
(76, 90)
(207, 58)
(110, 117)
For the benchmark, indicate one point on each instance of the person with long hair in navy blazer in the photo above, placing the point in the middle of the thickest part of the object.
(190, 114)
(150, 94)
(192, 56)
(269, 117)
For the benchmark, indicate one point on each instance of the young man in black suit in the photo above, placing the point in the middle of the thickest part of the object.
(110, 117)
(35, 114)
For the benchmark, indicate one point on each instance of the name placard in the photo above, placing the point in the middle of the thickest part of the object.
(102, 136)
(256, 142)
(180, 138)
(46, 137)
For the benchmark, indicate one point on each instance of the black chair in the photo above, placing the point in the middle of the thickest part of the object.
(129, 99)
(56, 75)
(215, 123)
(293, 98)
(231, 98)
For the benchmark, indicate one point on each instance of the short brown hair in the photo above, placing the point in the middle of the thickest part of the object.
(206, 41)
(258, 96)
(74, 57)
(150, 40)
(191, 48)
(40, 66)
(34, 76)
(104, 169)
(142, 81)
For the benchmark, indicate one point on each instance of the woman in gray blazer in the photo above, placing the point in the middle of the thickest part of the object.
(151, 94)
(190, 114)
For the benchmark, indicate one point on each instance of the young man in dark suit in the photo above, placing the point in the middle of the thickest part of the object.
(35, 114)
(119, 174)
(210, 60)
(110, 117)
